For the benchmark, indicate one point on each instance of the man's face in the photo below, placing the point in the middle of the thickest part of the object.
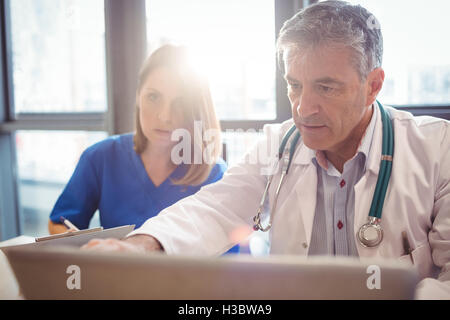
(327, 96)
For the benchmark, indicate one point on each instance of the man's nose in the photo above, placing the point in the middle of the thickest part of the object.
(306, 105)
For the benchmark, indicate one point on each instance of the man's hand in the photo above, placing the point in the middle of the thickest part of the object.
(138, 244)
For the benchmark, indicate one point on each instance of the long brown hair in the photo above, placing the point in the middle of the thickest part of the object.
(196, 103)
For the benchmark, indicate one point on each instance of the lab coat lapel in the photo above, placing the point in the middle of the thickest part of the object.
(365, 188)
(306, 190)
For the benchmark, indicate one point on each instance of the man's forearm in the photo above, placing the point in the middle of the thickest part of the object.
(148, 243)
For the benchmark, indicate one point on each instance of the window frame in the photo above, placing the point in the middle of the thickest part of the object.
(438, 111)
(10, 225)
(283, 11)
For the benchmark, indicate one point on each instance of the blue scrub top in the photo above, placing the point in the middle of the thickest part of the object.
(111, 177)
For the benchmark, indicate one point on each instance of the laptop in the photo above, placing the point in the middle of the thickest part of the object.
(71, 273)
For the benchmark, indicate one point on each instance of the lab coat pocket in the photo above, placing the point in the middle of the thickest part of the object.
(407, 259)
(421, 259)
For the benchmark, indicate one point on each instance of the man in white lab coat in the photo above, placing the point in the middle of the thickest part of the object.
(332, 55)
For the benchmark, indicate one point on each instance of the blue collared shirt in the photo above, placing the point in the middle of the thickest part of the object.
(333, 231)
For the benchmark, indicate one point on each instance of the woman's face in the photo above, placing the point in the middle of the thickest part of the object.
(159, 107)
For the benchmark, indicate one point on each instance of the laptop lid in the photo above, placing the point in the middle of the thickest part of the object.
(70, 273)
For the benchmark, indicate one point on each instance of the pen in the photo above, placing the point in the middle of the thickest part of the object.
(68, 224)
(407, 246)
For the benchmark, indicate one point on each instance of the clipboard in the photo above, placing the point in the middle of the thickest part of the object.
(76, 238)
(67, 234)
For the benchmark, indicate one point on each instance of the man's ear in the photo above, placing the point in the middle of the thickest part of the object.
(374, 84)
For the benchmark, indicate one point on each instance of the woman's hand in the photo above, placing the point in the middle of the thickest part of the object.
(55, 228)
(137, 244)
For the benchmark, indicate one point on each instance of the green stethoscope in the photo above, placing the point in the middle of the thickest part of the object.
(370, 234)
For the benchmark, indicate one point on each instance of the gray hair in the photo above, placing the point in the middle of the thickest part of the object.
(336, 23)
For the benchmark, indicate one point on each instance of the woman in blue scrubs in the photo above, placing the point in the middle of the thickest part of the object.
(132, 177)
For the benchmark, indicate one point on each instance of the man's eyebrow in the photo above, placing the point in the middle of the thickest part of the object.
(289, 78)
(150, 89)
(329, 80)
(325, 80)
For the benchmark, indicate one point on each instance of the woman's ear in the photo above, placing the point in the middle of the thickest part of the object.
(374, 83)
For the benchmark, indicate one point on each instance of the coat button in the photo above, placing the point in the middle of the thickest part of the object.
(305, 245)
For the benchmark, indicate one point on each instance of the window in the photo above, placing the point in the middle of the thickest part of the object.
(46, 160)
(58, 67)
(416, 50)
(58, 55)
(232, 42)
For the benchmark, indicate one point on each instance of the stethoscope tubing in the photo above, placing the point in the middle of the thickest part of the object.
(385, 167)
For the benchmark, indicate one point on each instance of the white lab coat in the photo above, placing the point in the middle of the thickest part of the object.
(417, 201)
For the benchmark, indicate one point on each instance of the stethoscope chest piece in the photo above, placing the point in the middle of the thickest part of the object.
(370, 234)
